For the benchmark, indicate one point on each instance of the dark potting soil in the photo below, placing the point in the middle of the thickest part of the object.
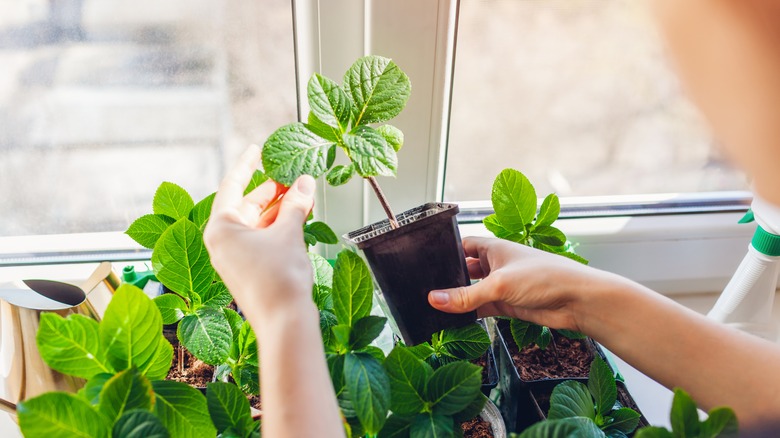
(196, 373)
(255, 402)
(563, 358)
(476, 428)
(483, 362)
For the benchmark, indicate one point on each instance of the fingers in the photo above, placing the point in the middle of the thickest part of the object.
(297, 202)
(475, 246)
(462, 299)
(264, 194)
(231, 190)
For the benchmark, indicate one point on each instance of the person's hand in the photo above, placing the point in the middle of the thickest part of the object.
(256, 241)
(520, 282)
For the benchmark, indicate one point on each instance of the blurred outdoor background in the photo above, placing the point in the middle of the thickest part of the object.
(101, 100)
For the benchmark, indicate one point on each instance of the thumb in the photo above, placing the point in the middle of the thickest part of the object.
(462, 299)
(297, 202)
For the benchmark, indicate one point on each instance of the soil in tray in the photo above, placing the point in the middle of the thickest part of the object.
(563, 358)
(477, 428)
(196, 373)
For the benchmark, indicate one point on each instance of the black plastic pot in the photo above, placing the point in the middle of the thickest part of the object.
(423, 254)
(492, 373)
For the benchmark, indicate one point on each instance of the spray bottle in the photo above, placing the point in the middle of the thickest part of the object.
(746, 303)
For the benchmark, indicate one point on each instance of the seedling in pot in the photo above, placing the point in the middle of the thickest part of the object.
(374, 91)
(721, 422)
(465, 343)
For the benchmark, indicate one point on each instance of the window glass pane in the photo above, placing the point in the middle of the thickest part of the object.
(101, 100)
(578, 95)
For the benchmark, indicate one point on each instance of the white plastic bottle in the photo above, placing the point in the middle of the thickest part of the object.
(746, 302)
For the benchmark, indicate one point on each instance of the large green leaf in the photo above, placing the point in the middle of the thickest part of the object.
(453, 387)
(472, 410)
(396, 427)
(549, 211)
(340, 174)
(352, 288)
(493, 225)
(131, 329)
(181, 261)
(207, 335)
(549, 236)
(327, 322)
(61, 415)
(721, 423)
(329, 102)
(624, 419)
(322, 232)
(322, 129)
(378, 88)
(684, 416)
(653, 432)
(147, 229)
(200, 213)
(182, 409)
(172, 201)
(139, 424)
(294, 150)
(571, 399)
(72, 345)
(247, 377)
(123, 392)
(393, 136)
(172, 307)
(564, 428)
(229, 408)
(217, 295)
(92, 389)
(465, 343)
(514, 200)
(601, 383)
(244, 346)
(432, 425)
(369, 390)
(161, 363)
(365, 330)
(408, 378)
(525, 333)
(370, 153)
(322, 289)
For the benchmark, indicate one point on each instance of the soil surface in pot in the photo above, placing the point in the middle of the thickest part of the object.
(563, 358)
(483, 362)
(255, 402)
(196, 373)
(476, 428)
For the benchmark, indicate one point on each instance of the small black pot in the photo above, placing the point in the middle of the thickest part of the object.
(423, 254)
(492, 373)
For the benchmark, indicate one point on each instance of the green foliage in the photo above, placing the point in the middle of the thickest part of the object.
(374, 91)
(463, 343)
(576, 427)
(182, 409)
(71, 345)
(721, 422)
(229, 410)
(139, 424)
(353, 288)
(369, 390)
(147, 229)
(314, 232)
(172, 201)
(206, 333)
(123, 392)
(59, 414)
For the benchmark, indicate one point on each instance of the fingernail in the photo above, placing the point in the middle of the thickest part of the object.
(306, 185)
(439, 297)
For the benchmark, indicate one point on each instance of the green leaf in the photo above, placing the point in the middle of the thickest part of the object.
(340, 174)
(147, 229)
(564, 428)
(71, 345)
(544, 338)
(472, 410)
(378, 88)
(217, 295)
(322, 129)
(207, 335)
(365, 330)
(369, 390)
(573, 256)
(200, 213)
(614, 433)
(229, 408)
(432, 425)
(624, 420)
(329, 102)
(548, 235)
(352, 288)
(396, 427)
(327, 322)
(373, 351)
(571, 334)
(61, 415)
(514, 200)
(182, 410)
(336, 370)
(247, 377)
(493, 225)
(294, 150)
(161, 363)
(453, 387)
(258, 178)
(139, 424)
(309, 239)
(322, 290)
(422, 351)
(341, 337)
(653, 432)
(131, 329)
(244, 346)
(571, 399)
(171, 306)
(393, 136)
(408, 378)
(601, 383)
(548, 212)
(465, 343)
(123, 392)
(181, 261)
(235, 321)
(172, 201)
(684, 416)
(721, 423)
(525, 333)
(370, 153)
(322, 232)
(91, 390)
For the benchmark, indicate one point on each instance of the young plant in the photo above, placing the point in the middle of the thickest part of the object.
(428, 403)
(516, 219)
(721, 422)
(465, 343)
(123, 358)
(374, 91)
(230, 412)
(596, 401)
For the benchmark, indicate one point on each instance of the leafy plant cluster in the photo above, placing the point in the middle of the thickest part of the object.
(721, 422)
(124, 359)
(467, 343)
(516, 219)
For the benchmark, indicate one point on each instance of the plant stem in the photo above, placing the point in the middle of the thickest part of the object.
(382, 200)
(554, 346)
(180, 352)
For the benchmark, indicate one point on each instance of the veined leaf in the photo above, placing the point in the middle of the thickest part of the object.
(71, 345)
(352, 288)
(548, 212)
(422, 351)
(235, 321)
(171, 306)
(571, 399)
(258, 178)
(247, 377)
(514, 200)
(147, 229)
(322, 232)
(548, 235)
(216, 296)
(624, 420)
(341, 337)
(571, 334)
(123, 392)
(200, 213)
(91, 390)
(393, 136)
(466, 343)
(340, 174)
(684, 416)
(601, 383)
(472, 410)
(160, 364)
(61, 415)
(244, 346)
(322, 290)
(329, 102)
(370, 153)
(369, 390)
(182, 409)
(327, 322)
(396, 427)
(493, 225)
(563, 428)
(207, 335)
(229, 408)
(378, 88)
(526, 333)
(322, 129)
(181, 261)
(172, 201)
(365, 330)
(139, 424)
(408, 378)
(432, 425)
(721, 423)
(294, 150)
(453, 387)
